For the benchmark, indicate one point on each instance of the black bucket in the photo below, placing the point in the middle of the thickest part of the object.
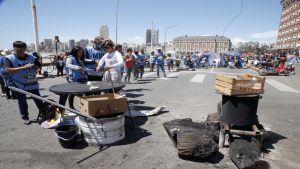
(67, 135)
(239, 110)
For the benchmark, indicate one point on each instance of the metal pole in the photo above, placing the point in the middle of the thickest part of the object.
(51, 102)
(152, 37)
(117, 8)
(36, 34)
(166, 34)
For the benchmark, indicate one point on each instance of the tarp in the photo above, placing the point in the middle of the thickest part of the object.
(233, 53)
(211, 56)
(291, 59)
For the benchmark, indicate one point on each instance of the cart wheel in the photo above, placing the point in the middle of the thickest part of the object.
(50, 68)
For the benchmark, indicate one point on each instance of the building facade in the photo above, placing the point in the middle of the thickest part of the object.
(48, 43)
(104, 32)
(154, 35)
(217, 44)
(71, 44)
(148, 37)
(289, 28)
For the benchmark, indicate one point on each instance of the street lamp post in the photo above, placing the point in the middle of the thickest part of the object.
(117, 8)
(36, 33)
(166, 34)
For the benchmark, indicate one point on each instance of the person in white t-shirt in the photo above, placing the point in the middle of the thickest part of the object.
(112, 61)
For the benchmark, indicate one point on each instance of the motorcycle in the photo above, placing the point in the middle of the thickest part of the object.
(270, 68)
(291, 69)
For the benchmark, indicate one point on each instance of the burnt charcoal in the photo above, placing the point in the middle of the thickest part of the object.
(245, 155)
(174, 126)
(178, 122)
(196, 144)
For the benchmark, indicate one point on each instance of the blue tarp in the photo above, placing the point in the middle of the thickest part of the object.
(292, 59)
(210, 56)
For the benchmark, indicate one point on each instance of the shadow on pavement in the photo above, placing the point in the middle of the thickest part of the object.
(270, 139)
(132, 95)
(141, 82)
(136, 90)
(135, 102)
(146, 80)
(100, 150)
(133, 136)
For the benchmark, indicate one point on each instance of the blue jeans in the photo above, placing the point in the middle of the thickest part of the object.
(128, 73)
(23, 107)
(141, 70)
(161, 66)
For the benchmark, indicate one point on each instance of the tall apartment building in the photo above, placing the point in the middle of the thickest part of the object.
(148, 37)
(289, 28)
(217, 44)
(104, 32)
(48, 43)
(154, 35)
(71, 44)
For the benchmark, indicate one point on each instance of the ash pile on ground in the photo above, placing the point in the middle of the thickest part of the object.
(197, 141)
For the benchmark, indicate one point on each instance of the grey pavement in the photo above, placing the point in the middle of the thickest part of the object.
(148, 146)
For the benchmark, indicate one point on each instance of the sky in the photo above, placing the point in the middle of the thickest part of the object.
(82, 19)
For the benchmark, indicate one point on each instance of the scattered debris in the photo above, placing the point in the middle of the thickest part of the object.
(143, 113)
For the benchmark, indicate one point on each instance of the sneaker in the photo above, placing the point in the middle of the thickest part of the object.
(26, 121)
(3, 95)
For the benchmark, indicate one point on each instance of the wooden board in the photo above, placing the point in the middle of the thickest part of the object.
(239, 85)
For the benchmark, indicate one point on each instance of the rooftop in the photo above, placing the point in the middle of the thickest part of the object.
(201, 38)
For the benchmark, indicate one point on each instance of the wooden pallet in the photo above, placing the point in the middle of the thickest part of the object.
(239, 85)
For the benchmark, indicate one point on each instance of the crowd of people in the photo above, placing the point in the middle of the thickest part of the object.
(108, 60)
(19, 69)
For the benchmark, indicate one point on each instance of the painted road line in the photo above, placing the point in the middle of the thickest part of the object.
(280, 86)
(212, 69)
(173, 74)
(149, 74)
(198, 78)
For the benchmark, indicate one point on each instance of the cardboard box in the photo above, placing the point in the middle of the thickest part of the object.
(105, 104)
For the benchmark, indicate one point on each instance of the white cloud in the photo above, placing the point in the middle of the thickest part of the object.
(264, 35)
(136, 40)
(235, 41)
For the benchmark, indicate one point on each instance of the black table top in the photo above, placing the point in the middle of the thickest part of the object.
(84, 89)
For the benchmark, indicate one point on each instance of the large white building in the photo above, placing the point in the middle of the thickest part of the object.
(217, 44)
(104, 32)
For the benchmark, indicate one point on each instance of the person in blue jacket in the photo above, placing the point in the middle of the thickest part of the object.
(75, 65)
(160, 62)
(92, 56)
(141, 63)
(22, 75)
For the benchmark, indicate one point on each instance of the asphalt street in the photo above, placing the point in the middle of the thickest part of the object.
(186, 94)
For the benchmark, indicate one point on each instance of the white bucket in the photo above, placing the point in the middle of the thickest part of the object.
(103, 130)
